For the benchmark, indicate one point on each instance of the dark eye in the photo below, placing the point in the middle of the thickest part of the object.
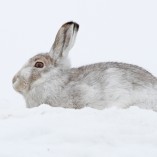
(39, 65)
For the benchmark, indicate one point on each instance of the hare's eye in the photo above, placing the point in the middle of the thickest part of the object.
(39, 65)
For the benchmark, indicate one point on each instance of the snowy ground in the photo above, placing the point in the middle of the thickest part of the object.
(58, 132)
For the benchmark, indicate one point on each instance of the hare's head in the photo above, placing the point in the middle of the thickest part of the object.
(37, 69)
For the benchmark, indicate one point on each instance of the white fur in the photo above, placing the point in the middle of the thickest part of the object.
(98, 86)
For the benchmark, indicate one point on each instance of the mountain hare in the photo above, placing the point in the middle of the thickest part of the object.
(47, 78)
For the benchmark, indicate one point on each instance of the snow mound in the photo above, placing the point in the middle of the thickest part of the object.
(45, 132)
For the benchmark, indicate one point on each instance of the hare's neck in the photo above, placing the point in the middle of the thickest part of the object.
(49, 90)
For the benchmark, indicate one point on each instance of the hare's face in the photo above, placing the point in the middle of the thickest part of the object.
(31, 72)
(39, 68)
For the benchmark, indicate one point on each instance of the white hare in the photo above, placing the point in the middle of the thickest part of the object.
(47, 78)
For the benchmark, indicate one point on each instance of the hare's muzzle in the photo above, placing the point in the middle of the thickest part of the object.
(14, 79)
(19, 84)
(15, 83)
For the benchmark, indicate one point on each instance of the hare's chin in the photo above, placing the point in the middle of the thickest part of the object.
(20, 87)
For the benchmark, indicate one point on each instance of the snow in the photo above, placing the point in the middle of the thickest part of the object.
(46, 131)
(110, 30)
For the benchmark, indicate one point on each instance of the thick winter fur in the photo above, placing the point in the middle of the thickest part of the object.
(98, 85)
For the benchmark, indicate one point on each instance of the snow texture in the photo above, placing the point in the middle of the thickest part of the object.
(46, 131)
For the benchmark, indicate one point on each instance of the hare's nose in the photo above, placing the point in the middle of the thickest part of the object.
(14, 79)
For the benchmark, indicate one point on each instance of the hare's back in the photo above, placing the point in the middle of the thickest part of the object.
(103, 72)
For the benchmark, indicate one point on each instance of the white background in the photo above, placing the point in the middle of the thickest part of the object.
(110, 30)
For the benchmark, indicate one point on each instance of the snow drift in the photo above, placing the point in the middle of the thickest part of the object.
(46, 131)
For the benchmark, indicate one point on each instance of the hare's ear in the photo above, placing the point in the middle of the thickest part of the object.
(64, 41)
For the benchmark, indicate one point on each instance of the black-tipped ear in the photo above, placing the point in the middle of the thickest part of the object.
(64, 40)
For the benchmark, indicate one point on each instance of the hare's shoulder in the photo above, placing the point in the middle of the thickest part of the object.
(99, 68)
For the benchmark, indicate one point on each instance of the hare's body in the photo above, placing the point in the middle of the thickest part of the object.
(98, 86)
(48, 79)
